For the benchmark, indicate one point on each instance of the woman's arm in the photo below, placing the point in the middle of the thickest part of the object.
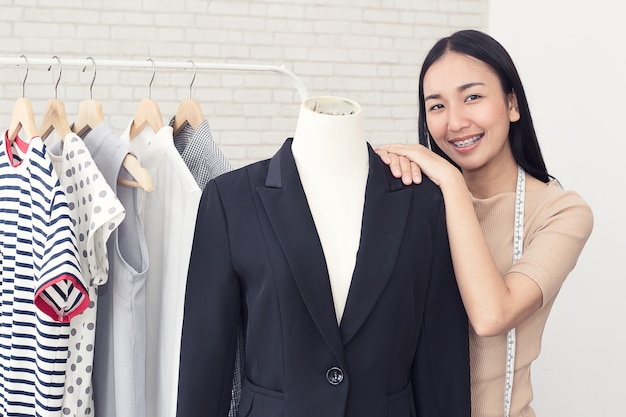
(494, 303)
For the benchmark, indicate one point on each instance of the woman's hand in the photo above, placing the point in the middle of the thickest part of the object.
(409, 162)
(400, 166)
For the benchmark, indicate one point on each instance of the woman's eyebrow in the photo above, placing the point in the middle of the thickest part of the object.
(460, 89)
(469, 85)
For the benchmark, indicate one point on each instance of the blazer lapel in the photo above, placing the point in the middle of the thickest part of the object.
(385, 214)
(286, 206)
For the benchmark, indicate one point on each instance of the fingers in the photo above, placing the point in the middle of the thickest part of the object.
(405, 170)
(383, 154)
(395, 165)
(416, 173)
(390, 159)
(397, 157)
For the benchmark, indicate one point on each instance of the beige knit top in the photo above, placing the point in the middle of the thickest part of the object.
(557, 225)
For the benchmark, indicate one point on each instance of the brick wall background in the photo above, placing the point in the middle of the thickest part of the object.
(366, 50)
(370, 51)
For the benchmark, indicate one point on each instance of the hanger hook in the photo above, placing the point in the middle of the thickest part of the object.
(56, 86)
(93, 79)
(152, 79)
(194, 76)
(25, 75)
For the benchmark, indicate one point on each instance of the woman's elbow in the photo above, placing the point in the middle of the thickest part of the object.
(489, 326)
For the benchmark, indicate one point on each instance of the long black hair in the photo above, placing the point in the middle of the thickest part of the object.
(522, 136)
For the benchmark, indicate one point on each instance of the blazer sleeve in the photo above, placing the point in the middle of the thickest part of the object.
(211, 315)
(441, 376)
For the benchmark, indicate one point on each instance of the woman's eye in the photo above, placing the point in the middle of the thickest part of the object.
(472, 97)
(436, 107)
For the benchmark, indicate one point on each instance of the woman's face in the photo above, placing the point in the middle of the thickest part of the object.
(467, 113)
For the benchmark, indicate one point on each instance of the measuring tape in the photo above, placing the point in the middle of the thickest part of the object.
(518, 238)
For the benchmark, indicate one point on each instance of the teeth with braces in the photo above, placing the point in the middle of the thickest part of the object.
(465, 143)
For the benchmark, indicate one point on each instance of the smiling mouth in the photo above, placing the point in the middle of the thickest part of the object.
(467, 142)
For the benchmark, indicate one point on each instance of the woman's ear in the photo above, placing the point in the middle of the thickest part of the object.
(514, 115)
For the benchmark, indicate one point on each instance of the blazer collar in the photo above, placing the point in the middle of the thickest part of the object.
(384, 216)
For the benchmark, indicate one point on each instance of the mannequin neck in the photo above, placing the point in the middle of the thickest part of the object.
(330, 135)
(332, 158)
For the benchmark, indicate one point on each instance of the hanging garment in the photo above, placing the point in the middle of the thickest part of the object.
(168, 216)
(206, 161)
(95, 212)
(42, 285)
(402, 346)
(119, 362)
(201, 154)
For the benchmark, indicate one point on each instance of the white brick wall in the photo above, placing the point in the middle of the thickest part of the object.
(366, 50)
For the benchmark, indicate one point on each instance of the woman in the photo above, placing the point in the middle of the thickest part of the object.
(485, 157)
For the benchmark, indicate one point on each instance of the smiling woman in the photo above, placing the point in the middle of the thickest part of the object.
(514, 234)
(465, 104)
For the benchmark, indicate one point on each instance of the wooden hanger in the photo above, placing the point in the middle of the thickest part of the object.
(89, 111)
(23, 116)
(140, 174)
(148, 112)
(89, 116)
(189, 111)
(55, 117)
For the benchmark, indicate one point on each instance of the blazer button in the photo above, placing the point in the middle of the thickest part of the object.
(334, 375)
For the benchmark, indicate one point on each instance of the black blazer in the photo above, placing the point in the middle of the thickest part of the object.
(402, 347)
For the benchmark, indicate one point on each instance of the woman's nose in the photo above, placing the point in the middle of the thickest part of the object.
(457, 119)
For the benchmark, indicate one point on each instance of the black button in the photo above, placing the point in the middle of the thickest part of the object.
(334, 375)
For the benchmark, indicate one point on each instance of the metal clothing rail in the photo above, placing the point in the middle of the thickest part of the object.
(298, 84)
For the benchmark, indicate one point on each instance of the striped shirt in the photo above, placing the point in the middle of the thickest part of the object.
(41, 282)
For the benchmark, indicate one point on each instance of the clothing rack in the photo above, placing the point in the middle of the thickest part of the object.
(88, 63)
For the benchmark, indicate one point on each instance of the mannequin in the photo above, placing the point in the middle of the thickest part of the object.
(278, 244)
(331, 154)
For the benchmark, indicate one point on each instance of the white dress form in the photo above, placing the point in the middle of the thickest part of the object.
(330, 151)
